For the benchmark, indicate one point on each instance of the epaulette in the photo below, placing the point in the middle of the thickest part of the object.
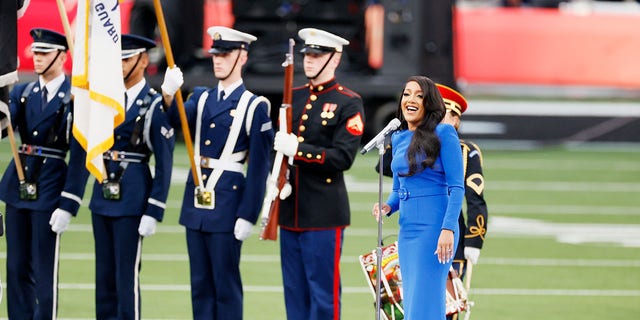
(347, 92)
(27, 91)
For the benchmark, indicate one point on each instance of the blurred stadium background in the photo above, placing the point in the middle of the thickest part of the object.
(554, 92)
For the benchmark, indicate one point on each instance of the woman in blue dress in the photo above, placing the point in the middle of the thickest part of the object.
(428, 190)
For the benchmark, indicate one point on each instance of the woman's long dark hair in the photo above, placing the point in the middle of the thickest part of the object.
(425, 143)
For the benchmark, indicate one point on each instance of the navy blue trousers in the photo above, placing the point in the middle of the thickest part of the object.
(118, 246)
(31, 284)
(216, 285)
(311, 273)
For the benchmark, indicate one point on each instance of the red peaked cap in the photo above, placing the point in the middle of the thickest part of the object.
(453, 100)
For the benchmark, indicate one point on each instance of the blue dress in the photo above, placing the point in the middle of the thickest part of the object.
(429, 201)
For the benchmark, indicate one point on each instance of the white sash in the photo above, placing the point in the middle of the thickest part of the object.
(227, 155)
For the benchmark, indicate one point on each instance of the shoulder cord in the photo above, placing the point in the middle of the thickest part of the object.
(136, 141)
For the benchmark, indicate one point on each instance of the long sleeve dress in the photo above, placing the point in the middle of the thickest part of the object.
(429, 201)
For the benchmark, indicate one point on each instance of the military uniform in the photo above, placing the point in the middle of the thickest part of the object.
(129, 192)
(327, 120)
(233, 137)
(477, 214)
(115, 221)
(45, 132)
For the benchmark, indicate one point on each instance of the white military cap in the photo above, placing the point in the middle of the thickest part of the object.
(227, 39)
(320, 41)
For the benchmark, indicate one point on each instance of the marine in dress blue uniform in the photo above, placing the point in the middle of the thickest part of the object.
(127, 204)
(327, 126)
(41, 112)
(233, 137)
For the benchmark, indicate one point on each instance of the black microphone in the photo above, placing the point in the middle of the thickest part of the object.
(379, 138)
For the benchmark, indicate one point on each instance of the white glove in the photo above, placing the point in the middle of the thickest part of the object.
(59, 221)
(242, 230)
(147, 226)
(472, 254)
(172, 81)
(286, 143)
(286, 191)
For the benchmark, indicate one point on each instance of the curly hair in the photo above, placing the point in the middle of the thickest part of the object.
(425, 144)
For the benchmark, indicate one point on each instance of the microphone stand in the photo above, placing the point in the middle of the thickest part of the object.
(379, 275)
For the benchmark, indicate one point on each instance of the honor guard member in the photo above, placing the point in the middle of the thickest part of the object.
(476, 223)
(327, 125)
(40, 206)
(128, 204)
(232, 130)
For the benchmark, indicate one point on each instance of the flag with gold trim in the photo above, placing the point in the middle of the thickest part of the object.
(96, 81)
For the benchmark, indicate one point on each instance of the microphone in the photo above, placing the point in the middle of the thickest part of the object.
(379, 138)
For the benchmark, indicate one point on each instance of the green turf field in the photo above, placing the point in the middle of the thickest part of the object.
(563, 243)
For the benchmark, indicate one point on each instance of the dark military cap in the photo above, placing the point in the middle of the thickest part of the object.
(133, 45)
(227, 39)
(45, 40)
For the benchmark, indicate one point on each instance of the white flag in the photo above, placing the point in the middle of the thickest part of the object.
(5, 120)
(97, 83)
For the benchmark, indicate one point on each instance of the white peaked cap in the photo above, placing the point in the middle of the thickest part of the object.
(227, 39)
(320, 39)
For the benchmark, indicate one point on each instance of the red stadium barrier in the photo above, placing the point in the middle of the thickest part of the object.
(546, 46)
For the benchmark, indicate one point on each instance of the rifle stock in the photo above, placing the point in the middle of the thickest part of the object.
(279, 173)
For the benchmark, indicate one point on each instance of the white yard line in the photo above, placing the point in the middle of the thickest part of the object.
(363, 289)
(502, 261)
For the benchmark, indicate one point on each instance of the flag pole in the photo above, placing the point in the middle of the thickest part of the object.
(12, 142)
(164, 34)
(65, 24)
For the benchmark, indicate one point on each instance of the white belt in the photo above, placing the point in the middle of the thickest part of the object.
(211, 163)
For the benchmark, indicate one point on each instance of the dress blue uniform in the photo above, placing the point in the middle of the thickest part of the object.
(45, 131)
(222, 150)
(429, 201)
(145, 132)
(214, 253)
(327, 119)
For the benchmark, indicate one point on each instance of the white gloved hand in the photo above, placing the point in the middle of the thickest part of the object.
(472, 254)
(147, 226)
(287, 143)
(286, 191)
(242, 230)
(173, 80)
(59, 221)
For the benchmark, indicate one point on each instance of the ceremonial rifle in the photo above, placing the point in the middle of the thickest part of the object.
(279, 175)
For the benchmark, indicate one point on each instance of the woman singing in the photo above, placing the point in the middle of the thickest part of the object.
(428, 190)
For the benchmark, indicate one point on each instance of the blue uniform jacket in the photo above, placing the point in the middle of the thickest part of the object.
(35, 125)
(236, 196)
(140, 193)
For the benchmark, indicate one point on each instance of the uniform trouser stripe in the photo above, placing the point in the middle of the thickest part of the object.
(136, 279)
(336, 275)
(56, 265)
